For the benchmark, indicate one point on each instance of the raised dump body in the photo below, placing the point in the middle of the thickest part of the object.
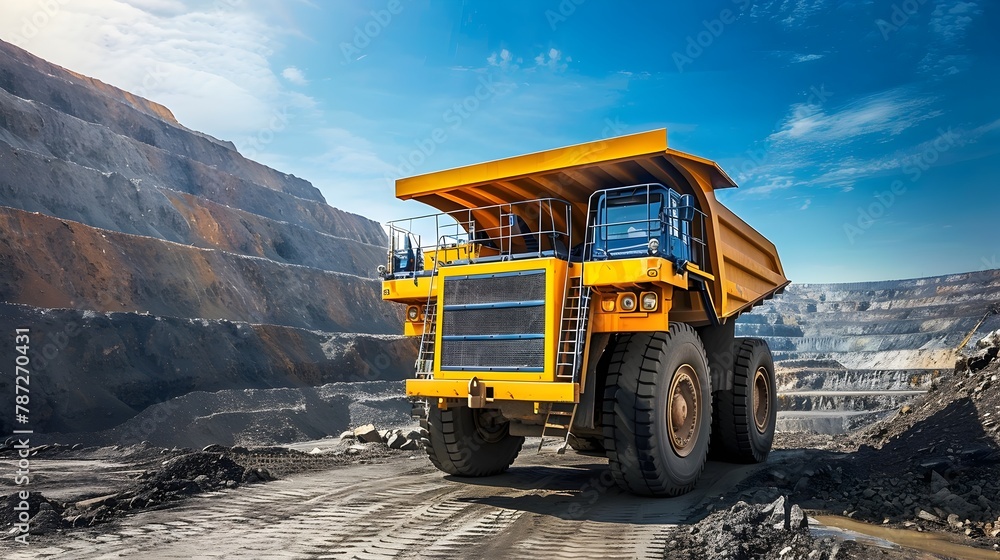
(554, 286)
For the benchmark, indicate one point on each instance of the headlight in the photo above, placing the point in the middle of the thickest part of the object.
(412, 312)
(607, 305)
(627, 301)
(648, 301)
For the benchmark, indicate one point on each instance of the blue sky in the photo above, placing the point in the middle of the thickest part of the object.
(865, 136)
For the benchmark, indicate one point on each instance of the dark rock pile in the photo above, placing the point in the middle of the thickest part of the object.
(934, 466)
(745, 531)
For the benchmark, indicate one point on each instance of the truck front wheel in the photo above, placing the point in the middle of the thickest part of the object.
(468, 442)
(657, 411)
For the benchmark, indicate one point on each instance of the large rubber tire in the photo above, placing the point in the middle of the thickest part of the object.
(747, 414)
(639, 426)
(466, 442)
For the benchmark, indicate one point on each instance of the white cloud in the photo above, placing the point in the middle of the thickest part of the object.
(771, 185)
(887, 113)
(206, 61)
(553, 60)
(805, 58)
(807, 165)
(294, 75)
(791, 13)
(950, 20)
(949, 24)
(504, 60)
(806, 204)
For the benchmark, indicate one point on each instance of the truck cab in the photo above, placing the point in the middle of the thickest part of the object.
(585, 293)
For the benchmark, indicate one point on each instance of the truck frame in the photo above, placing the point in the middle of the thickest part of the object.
(587, 293)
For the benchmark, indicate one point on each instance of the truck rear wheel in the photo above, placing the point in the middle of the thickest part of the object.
(657, 411)
(746, 415)
(468, 442)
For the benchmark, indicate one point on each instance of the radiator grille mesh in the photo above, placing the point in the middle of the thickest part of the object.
(495, 354)
(528, 286)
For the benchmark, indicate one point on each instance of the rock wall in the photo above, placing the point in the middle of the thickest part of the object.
(151, 261)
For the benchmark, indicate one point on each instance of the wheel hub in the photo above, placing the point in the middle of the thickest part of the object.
(683, 418)
(761, 399)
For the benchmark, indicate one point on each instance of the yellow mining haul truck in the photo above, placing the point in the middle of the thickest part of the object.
(587, 293)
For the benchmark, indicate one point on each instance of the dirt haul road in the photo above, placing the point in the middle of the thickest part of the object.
(547, 505)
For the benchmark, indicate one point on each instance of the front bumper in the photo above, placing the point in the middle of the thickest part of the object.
(527, 391)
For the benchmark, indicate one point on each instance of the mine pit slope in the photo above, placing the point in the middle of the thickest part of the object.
(848, 354)
(152, 261)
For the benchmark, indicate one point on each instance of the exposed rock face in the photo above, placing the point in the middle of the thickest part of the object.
(55, 263)
(836, 344)
(150, 260)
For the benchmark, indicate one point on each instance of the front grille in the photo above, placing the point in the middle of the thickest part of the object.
(508, 320)
(493, 355)
(494, 322)
(495, 288)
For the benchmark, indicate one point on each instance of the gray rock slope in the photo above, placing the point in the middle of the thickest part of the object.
(179, 265)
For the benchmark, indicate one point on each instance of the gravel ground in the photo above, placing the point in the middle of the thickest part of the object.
(148, 477)
(932, 469)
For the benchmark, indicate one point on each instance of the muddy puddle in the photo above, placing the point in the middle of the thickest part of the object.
(933, 543)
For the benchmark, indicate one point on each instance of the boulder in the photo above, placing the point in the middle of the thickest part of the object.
(367, 434)
(95, 502)
(797, 518)
(928, 516)
(396, 441)
(778, 510)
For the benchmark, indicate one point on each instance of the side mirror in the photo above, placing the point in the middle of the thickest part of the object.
(686, 208)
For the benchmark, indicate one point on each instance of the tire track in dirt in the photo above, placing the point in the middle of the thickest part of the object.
(550, 506)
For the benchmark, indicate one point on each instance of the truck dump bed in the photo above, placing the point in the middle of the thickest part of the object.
(744, 266)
